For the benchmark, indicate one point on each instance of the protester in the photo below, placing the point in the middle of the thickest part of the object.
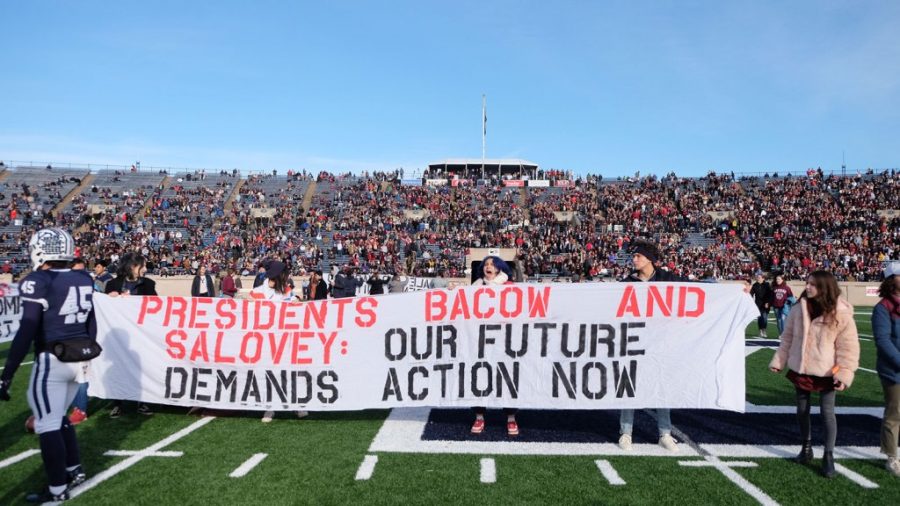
(345, 283)
(130, 280)
(397, 284)
(317, 289)
(886, 329)
(762, 296)
(820, 348)
(203, 285)
(276, 288)
(260, 278)
(494, 271)
(79, 404)
(229, 287)
(781, 297)
(101, 275)
(645, 257)
(376, 284)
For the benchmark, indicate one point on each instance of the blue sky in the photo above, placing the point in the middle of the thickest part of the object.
(603, 87)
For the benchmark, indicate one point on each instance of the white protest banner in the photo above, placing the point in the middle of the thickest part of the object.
(566, 346)
(10, 311)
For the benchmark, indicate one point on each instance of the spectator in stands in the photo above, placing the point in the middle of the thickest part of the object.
(494, 271)
(345, 283)
(229, 287)
(824, 323)
(781, 297)
(130, 280)
(317, 289)
(645, 257)
(886, 329)
(762, 296)
(276, 288)
(203, 285)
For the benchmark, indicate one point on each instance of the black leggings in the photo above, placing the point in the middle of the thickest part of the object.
(826, 402)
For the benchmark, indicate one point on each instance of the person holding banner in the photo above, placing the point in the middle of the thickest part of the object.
(276, 288)
(886, 329)
(494, 271)
(129, 281)
(58, 319)
(820, 348)
(645, 257)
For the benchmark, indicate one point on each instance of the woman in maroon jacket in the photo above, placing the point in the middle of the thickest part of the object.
(229, 289)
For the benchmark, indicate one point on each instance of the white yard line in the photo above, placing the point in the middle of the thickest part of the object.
(23, 363)
(142, 453)
(18, 458)
(248, 465)
(744, 484)
(609, 472)
(855, 477)
(705, 463)
(367, 467)
(130, 461)
(867, 370)
(488, 471)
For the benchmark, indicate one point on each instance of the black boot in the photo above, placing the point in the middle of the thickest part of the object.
(806, 453)
(828, 465)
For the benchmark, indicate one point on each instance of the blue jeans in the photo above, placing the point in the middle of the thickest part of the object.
(763, 319)
(81, 398)
(780, 316)
(663, 421)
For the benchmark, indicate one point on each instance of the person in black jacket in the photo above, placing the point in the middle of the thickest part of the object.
(644, 257)
(317, 289)
(203, 285)
(129, 281)
(763, 296)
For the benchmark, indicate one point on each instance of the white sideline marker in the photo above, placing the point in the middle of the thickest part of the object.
(488, 471)
(366, 468)
(248, 465)
(18, 458)
(855, 477)
(142, 453)
(609, 472)
(134, 459)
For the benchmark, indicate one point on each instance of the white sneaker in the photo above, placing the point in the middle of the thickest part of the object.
(668, 442)
(268, 416)
(893, 466)
(302, 414)
(625, 442)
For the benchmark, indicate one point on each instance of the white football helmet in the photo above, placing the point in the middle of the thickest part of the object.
(50, 244)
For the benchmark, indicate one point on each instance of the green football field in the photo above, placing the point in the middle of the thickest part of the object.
(336, 458)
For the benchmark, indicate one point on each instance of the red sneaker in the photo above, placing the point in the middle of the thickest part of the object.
(478, 426)
(77, 416)
(512, 428)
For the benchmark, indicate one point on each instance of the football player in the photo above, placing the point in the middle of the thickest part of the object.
(58, 319)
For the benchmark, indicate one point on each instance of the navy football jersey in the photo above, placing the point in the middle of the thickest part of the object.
(67, 299)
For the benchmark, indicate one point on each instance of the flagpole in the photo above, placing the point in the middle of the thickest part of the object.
(483, 131)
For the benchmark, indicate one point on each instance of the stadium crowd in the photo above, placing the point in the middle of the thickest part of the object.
(719, 226)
